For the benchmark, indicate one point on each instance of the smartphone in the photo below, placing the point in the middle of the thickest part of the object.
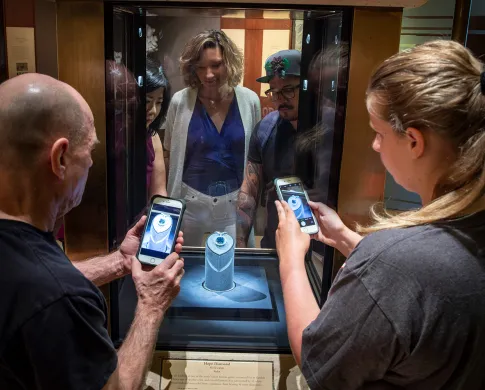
(161, 229)
(290, 189)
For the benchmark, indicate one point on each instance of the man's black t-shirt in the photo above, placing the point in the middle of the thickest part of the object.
(52, 319)
(277, 158)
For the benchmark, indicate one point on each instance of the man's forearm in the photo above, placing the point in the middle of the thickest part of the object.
(102, 269)
(300, 304)
(136, 353)
(246, 211)
(247, 202)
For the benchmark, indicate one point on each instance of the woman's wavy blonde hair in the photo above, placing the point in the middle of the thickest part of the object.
(232, 57)
(435, 87)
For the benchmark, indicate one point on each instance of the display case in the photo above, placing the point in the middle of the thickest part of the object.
(249, 317)
(102, 52)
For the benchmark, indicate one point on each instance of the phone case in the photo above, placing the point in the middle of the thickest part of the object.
(280, 196)
(182, 211)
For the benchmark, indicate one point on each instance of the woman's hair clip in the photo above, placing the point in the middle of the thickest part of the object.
(482, 82)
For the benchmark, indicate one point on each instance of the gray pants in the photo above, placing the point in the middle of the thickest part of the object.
(206, 214)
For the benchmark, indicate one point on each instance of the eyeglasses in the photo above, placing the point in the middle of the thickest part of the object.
(287, 92)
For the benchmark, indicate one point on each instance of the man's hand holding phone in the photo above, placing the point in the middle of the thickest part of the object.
(131, 244)
(157, 287)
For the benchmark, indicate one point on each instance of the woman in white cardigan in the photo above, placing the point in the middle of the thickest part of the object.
(207, 134)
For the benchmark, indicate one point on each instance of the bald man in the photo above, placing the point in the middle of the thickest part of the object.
(52, 316)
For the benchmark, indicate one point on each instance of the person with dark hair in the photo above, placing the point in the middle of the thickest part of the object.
(271, 152)
(207, 134)
(314, 146)
(157, 101)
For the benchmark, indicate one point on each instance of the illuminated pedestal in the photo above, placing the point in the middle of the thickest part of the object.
(219, 262)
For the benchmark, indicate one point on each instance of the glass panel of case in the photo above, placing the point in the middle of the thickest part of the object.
(221, 132)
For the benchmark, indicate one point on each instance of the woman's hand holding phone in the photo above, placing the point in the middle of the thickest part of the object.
(291, 243)
(333, 231)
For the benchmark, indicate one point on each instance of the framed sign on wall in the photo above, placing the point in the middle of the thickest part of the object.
(20, 50)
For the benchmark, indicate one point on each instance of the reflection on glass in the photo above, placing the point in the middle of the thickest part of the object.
(121, 103)
(206, 132)
(209, 157)
(157, 100)
(223, 142)
(272, 145)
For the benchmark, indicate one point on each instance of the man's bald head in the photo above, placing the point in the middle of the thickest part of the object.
(34, 111)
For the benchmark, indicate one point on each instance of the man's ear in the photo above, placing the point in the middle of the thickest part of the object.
(416, 142)
(58, 157)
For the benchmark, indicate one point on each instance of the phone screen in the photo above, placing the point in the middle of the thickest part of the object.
(160, 231)
(294, 195)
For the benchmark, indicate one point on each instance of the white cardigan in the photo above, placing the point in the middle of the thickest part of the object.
(177, 126)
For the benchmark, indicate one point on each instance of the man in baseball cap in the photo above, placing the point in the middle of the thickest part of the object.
(271, 148)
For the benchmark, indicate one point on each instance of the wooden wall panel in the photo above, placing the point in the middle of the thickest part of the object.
(80, 34)
(252, 63)
(19, 13)
(46, 37)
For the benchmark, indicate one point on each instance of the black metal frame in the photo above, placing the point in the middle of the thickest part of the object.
(110, 137)
(306, 119)
(229, 5)
(139, 190)
(461, 21)
(136, 197)
(338, 142)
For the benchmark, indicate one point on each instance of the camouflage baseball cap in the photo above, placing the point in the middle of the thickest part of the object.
(282, 64)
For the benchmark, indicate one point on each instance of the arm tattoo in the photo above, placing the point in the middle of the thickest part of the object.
(247, 202)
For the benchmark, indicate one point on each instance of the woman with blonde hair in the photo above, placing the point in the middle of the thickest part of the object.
(207, 134)
(407, 309)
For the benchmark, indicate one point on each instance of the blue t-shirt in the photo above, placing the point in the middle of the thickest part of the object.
(214, 162)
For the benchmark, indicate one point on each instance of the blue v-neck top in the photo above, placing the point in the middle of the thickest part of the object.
(214, 162)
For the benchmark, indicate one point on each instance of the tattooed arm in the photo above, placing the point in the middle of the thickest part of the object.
(247, 202)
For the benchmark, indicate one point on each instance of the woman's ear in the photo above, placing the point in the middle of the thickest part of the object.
(416, 142)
